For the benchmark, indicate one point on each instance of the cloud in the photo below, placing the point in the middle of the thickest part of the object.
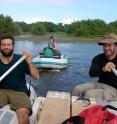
(61, 2)
(30, 20)
(69, 20)
(64, 2)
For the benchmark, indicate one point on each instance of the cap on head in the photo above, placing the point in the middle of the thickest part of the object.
(109, 39)
(51, 37)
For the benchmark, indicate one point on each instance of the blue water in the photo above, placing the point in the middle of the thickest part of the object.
(80, 56)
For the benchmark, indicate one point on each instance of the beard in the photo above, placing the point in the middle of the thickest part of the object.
(8, 54)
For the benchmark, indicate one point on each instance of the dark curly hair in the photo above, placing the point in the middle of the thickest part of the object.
(7, 37)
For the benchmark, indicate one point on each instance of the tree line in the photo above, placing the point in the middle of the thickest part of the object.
(89, 27)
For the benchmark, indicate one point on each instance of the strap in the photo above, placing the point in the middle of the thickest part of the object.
(29, 92)
(110, 107)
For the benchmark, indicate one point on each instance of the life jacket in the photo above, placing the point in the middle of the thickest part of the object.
(96, 114)
(48, 52)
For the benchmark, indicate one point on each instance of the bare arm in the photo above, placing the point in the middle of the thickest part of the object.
(33, 70)
(52, 44)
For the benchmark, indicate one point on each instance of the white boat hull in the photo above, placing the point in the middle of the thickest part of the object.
(50, 63)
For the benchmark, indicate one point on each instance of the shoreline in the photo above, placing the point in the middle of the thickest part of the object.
(58, 38)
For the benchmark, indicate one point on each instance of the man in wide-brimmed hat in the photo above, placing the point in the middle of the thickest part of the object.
(101, 67)
(108, 38)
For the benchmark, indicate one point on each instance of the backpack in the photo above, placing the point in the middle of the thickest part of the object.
(96, 114)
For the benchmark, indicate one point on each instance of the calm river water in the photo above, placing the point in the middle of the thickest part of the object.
(80, 56)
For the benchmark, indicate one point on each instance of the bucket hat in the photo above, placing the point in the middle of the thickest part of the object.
(108, 38)
(51, 37)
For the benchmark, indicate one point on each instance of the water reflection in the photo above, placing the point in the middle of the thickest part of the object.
(79, 54)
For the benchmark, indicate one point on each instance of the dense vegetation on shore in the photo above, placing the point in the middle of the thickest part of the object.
(83, 28)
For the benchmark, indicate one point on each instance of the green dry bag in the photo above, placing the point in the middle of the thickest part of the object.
(48, 52)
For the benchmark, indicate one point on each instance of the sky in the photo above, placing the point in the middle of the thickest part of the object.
(59, 11)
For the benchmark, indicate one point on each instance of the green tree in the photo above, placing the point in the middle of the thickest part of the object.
(60, 27)
(24, 26)
(7, 26)
(38, 29)
(50, 27)
(112, 27)
(87, 27)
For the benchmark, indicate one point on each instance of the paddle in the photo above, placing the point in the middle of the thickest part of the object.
(12, 67)
(114, 71)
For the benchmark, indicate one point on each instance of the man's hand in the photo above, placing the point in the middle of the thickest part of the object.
(33, 70)
(28, 55)
(108, 67)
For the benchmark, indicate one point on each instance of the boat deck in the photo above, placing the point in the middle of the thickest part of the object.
(59, 106)
(53, 109)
